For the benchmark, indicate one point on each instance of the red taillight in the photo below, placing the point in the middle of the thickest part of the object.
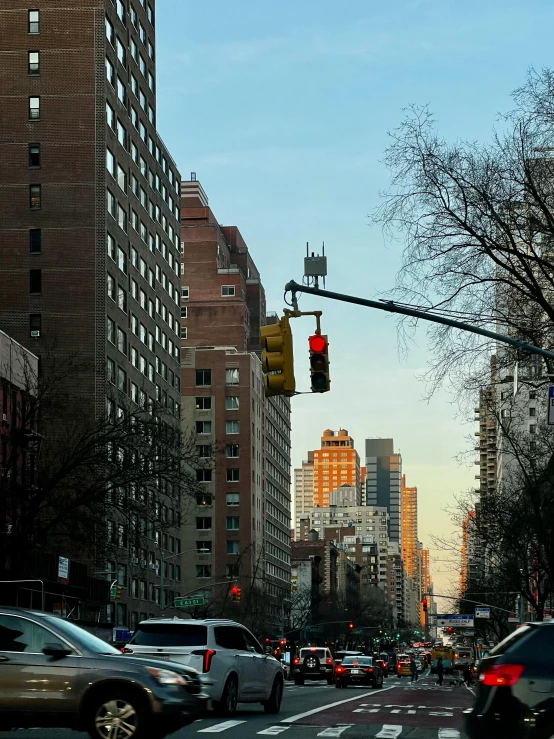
(329, 661)
(126, 650)
(296, 661)
(338, 668)
(501, 675)
(368, 669)
(207, 656)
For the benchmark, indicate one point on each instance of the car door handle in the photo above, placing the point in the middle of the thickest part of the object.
(4, 659)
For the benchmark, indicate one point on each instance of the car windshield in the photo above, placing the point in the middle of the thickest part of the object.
(510, 640)
(319, 653)
(366, 661)
(170, 635)
(80, 637)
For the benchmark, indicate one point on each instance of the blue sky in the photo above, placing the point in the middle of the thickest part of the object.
(282, 109)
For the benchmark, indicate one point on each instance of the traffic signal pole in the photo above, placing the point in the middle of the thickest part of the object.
(391, 307)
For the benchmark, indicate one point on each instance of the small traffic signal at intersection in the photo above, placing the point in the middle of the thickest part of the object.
(319, 363)
(350, 625)
(424, 604)
(235, 593)
(278, 358)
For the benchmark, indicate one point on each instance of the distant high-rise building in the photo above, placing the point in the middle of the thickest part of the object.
(383, 482)
(303, 492)
(409, 530)
(336, 463)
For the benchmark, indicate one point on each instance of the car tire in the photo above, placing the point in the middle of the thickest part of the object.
(330, 680)
(338, 684)
(273, 705)
(227, 704)
(118, 703)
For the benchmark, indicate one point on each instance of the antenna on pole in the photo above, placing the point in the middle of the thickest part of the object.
(315, 266)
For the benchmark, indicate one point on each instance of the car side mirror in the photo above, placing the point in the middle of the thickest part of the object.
(56, 649)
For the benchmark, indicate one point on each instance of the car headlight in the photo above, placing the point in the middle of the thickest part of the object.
(167, 677)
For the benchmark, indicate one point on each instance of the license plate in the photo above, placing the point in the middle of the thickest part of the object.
(356, 672)
(159, 656)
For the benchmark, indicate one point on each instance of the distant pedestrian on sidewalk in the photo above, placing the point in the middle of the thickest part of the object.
(413, 668)
(440, 670)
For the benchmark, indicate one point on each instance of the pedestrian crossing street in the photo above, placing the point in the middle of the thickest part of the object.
(347, 731)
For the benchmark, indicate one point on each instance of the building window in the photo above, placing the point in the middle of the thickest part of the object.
(121, 90)
(532, 394)
(121, 380)
(233, 474)
(231, 403)
(228, 290)
(232, 451)
(120, 9)
(34, 155)
(35, 325)
(532, 428)
(232, 499)
(110, 370)
(204, 451)
(232, 547)
(109, 31)
(122, 298)
(183, 332)
(203, 378)
(35, 240)
(34, 108)
(121, 260)
(232, 376)
(204, 404)
(110, 161)
(203, 427)
(184, 293)
(203, 475)
(203, 571)
(33, 21)
(122, 217)
(35, 197)
(33, 63)
(232, 427)
(121, 178)
(184, 312)
(120, 52)
(122, 341)
(35, 281)
(203, 523)
(532, 411)
(232, 523)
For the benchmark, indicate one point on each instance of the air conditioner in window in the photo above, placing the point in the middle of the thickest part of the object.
(143, 563)
(136, 560)
(154, 567)
(35, 334)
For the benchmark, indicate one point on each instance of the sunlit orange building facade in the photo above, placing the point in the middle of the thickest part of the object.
(336, 463)
(409, 530)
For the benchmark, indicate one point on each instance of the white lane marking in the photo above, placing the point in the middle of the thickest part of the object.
(334, 730)
(216, 728)
(449, 734)
(389, 731)
(298, 716)
(273, 730)
(470, 689)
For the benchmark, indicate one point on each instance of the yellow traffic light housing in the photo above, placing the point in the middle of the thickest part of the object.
(278, 358)
(319, 363)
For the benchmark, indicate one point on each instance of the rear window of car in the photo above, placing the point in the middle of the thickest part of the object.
(367, 661)
(170, 635)
(319, 653)
(511, 640)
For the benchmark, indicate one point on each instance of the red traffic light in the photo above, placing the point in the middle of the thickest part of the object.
(267, 640)
(317, 343)
(351, 626)
(424, 604)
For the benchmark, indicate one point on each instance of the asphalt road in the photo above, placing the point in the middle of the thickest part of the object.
(401, 710)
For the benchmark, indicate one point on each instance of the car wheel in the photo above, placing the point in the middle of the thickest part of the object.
(229, 698)
(118, 715)
(330, 680)
(273, 705)
(338, 684)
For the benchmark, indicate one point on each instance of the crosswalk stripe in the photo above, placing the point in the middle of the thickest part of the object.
(449, 734)
(335, 730)
(389, 731)
(216, 728)
(273, 730)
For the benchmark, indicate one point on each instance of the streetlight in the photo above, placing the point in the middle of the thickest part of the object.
(202, 550)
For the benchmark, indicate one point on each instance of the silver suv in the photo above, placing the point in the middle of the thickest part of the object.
(224, 651)
(313, 663)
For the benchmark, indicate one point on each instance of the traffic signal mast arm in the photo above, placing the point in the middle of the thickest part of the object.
(392, 307)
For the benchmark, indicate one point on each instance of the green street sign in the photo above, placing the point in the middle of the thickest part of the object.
(315, 629)
(358, 631)
(184, 602)
(113, 592)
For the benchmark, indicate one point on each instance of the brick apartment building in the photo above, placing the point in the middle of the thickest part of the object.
(243, 521)
(89, 218)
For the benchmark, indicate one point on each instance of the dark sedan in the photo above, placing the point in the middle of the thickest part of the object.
(515, 694)
(55, 674)
(358, 671)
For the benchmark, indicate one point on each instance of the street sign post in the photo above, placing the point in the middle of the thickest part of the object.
(551, 405)
(315, 629)
(185, 602)
(481, 612)
(455, 620)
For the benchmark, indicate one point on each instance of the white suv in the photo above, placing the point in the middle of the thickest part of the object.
(225, 651)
